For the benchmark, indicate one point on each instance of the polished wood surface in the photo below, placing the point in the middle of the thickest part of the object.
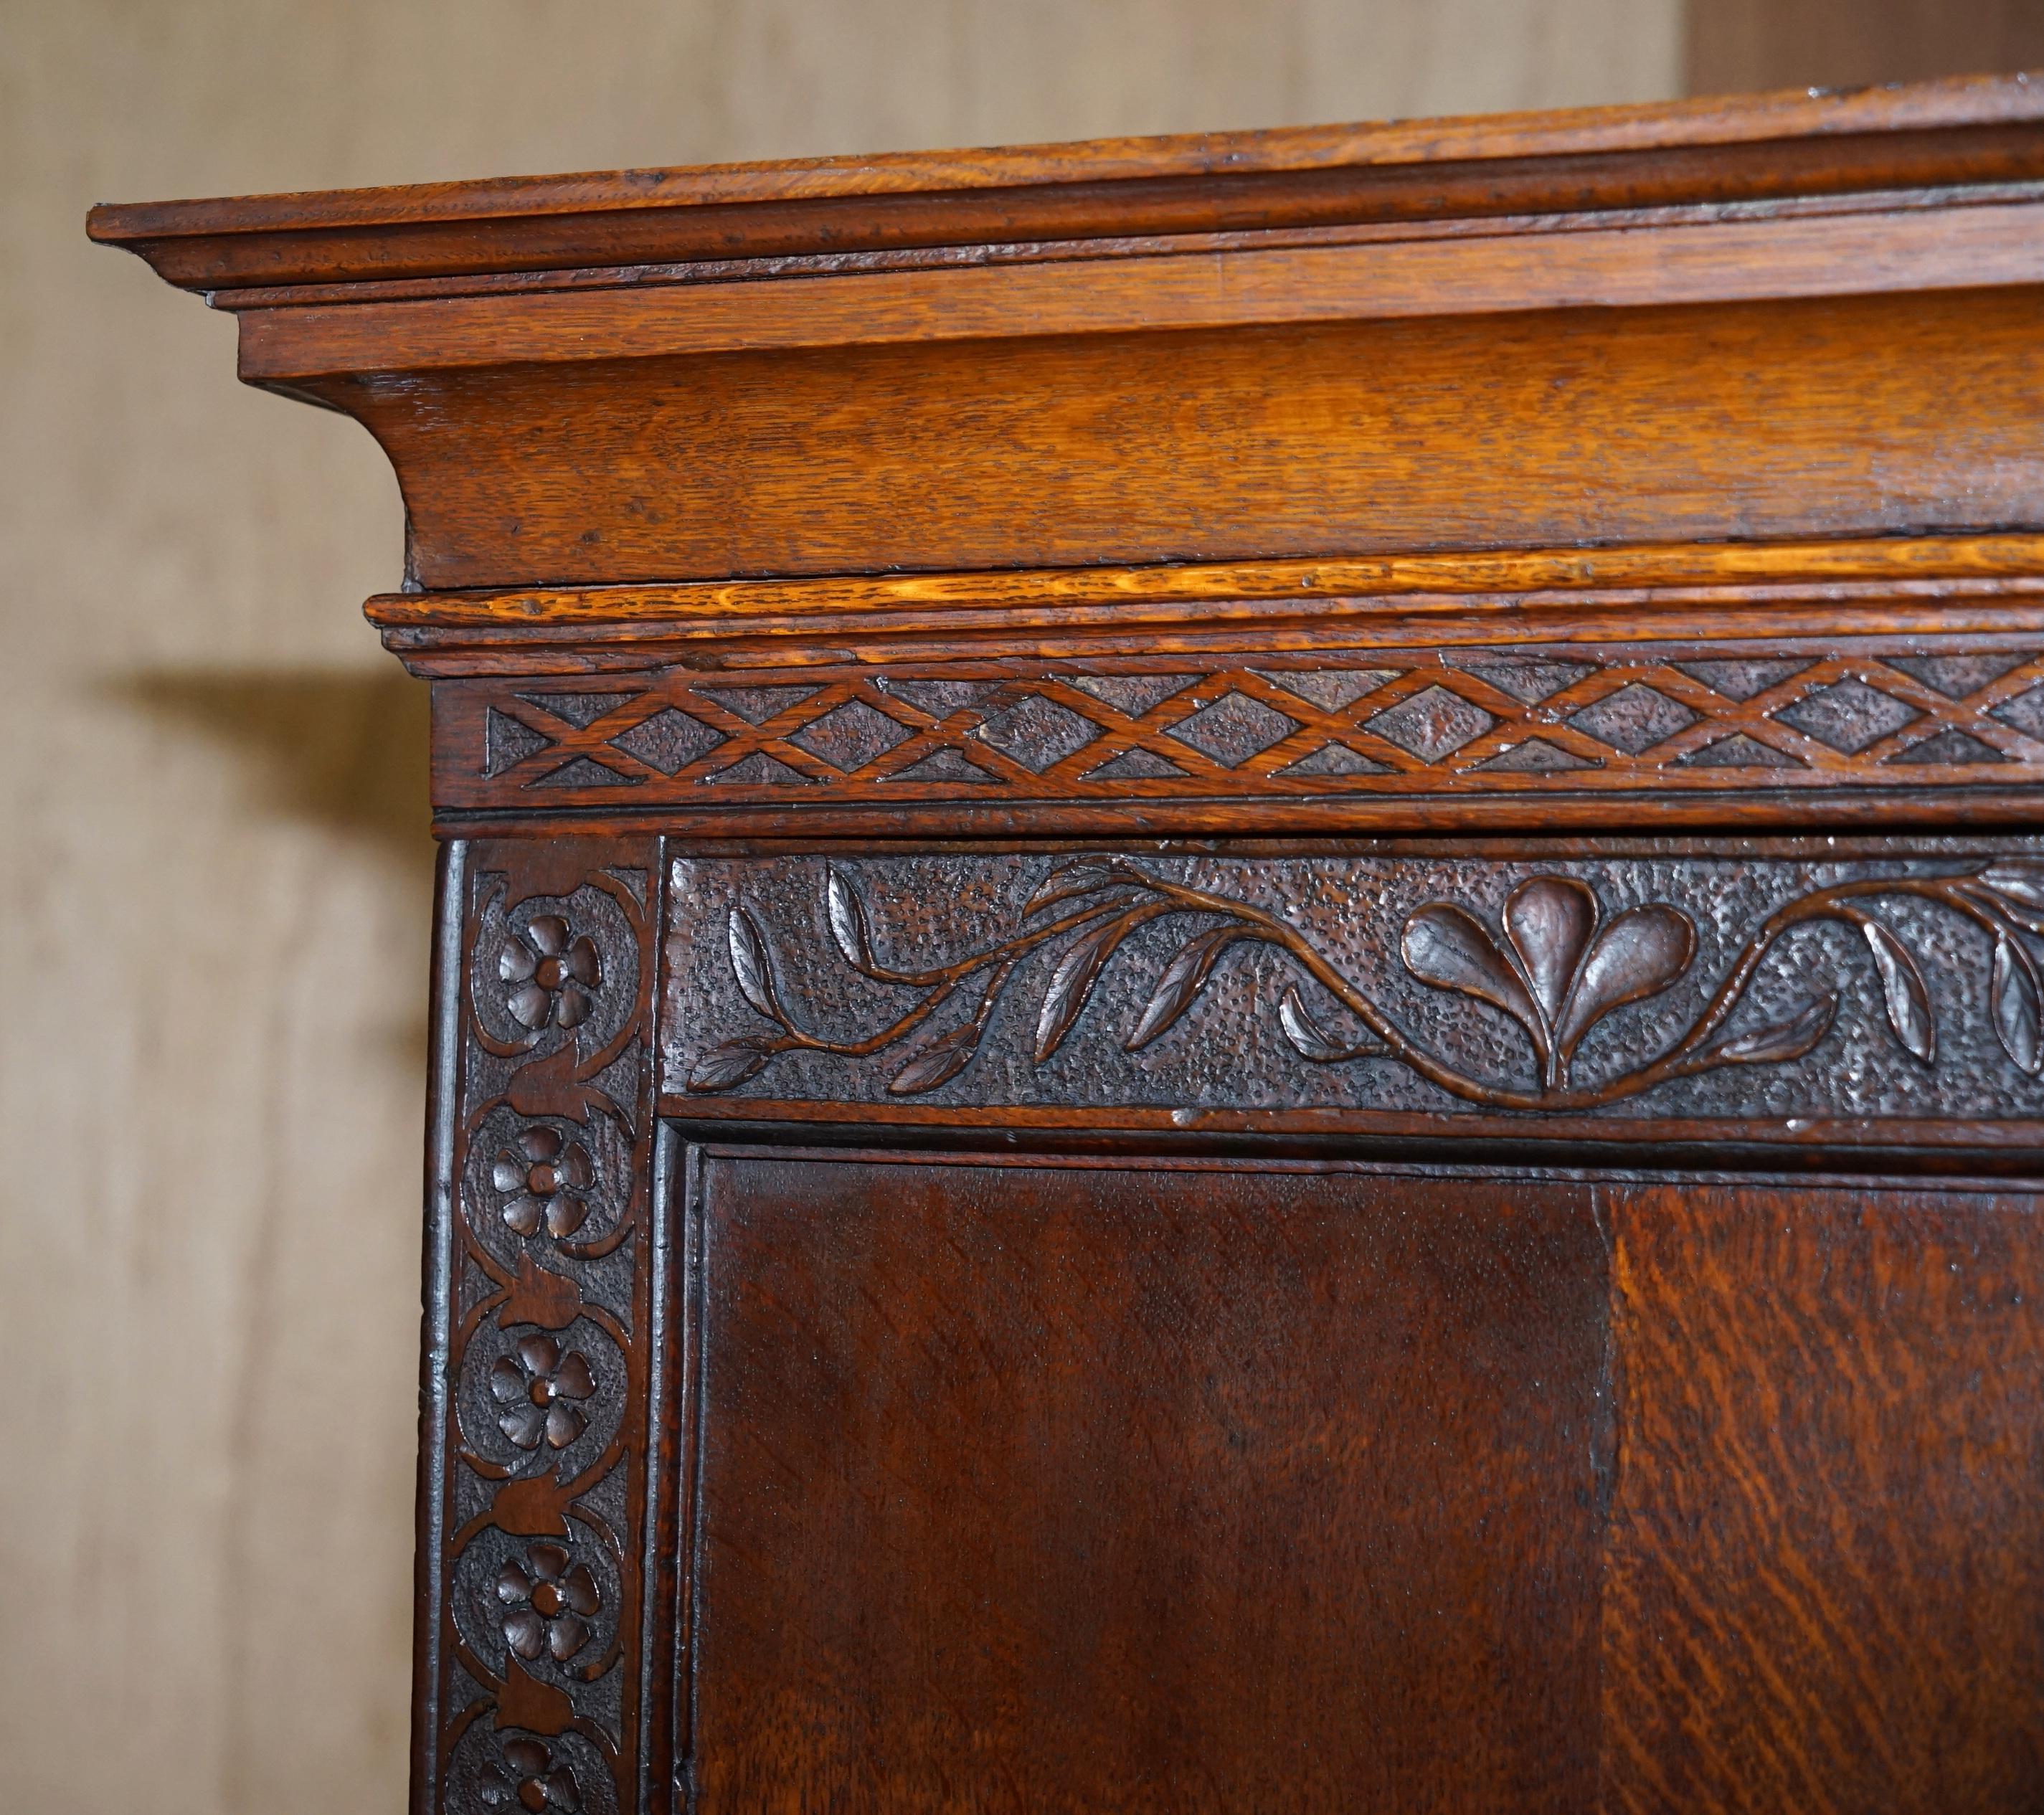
(1108, 448)
(1315, 1487)
(1821, 1578)
(1397, 768)
(1682, 152)
(1039, 1488)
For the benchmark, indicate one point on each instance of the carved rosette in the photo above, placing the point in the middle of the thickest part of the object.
(540, 1526)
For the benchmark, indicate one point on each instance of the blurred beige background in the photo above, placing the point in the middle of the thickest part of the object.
(216, 869)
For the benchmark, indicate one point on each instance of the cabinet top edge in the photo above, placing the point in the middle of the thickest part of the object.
(1779, 145)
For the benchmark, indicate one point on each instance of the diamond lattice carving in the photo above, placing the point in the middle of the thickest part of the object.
(1038, 733)
(1233, 729)
(1634, 719)
(1432, 723)
(850, 736)
(1847, 717)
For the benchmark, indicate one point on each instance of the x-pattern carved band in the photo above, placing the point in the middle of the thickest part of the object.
(1894, 711)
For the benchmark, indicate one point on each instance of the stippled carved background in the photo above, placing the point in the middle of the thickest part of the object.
(1646, 984)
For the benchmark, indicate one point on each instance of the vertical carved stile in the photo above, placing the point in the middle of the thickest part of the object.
(537, 1516)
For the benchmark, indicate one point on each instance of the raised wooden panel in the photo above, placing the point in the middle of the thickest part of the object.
(1060, 1488)
(1825, 1587)
(1165, 1485)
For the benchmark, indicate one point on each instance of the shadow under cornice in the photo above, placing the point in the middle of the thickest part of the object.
(342, 748)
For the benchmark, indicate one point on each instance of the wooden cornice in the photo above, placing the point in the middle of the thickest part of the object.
(1783, 320)
(1692, 154)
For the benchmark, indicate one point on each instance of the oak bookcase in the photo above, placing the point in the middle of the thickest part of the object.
(1238, 1002)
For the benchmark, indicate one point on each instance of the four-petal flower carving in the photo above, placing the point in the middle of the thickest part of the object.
(529, 1779)
(543, 1178)
(549, 1599)
(536, 1389)
(551, 972)
(1556, 973)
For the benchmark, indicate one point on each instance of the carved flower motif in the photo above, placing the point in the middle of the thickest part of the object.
(529, 1779)
(1557, 972)
(544, 1177)
(549, 1600)
(551, 972)
(536, 1388)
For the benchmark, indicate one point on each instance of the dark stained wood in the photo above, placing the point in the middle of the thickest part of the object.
(1625, 993)
(925, 649)
(1826, 1550)
(1034, 1488)
(1799, 1417)
(550, 1473)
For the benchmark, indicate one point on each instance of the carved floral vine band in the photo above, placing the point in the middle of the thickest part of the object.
(1555, 962)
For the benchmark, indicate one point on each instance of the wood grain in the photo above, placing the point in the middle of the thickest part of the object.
(1709, 152)
(1052, 1488)
(1733, 261)
(1632, 577)
(1824, 1582)
(1304, 441)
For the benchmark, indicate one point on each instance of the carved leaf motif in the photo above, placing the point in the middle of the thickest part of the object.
(1068, 883)
(847, 920)
(1639, 954)
(748, 963)
(1549, 920)
(732, 1063)
(1789, 1039)
(534, 1505)
(1550, 961)
(1072, 982)
(1307, 1039)
(1909, 1010)
(1446, 947)
(1184, 978)
(2013, 996)
(540, 1296)
(2018, 889)
(2017, 880)
(942, 1060)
